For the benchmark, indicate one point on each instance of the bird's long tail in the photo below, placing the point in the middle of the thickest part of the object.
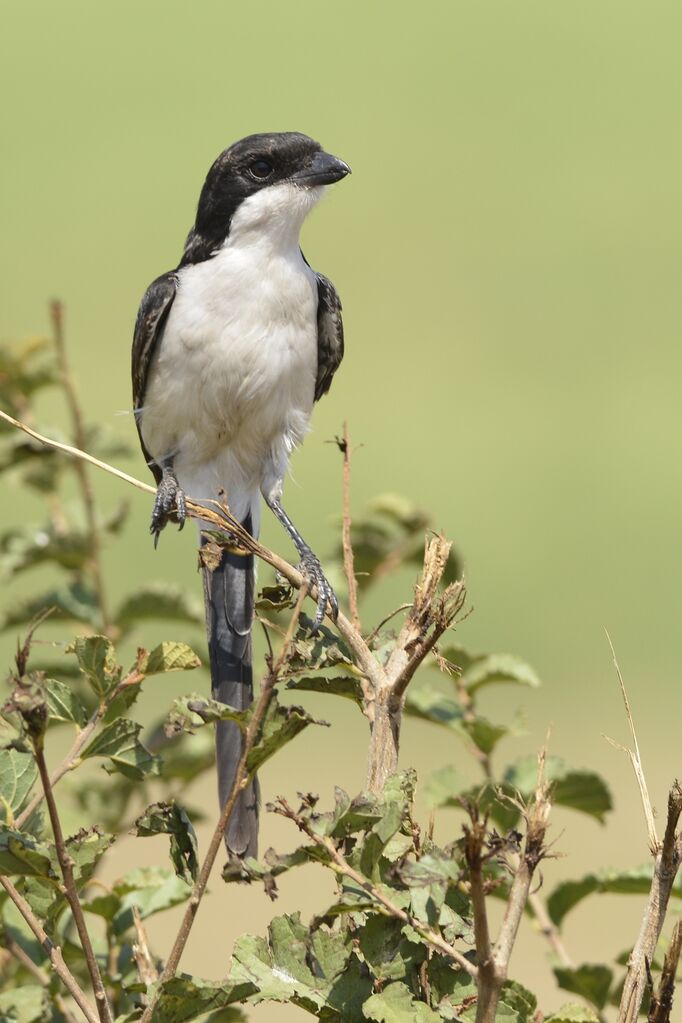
(229, 599)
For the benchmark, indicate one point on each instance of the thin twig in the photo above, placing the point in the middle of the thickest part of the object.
(241, 779)
(662, 1001)
(70, 890)
(341, 866)
(547, 928)
(348, 559)
(474, 841)
(38, 973)
(57, 316)
(53, 952)
(146, 968)
(219, 517)
(636, 760)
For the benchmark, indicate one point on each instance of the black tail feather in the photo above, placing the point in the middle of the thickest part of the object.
(229, 599)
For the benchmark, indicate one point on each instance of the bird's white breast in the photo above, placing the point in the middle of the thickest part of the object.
(231, 386)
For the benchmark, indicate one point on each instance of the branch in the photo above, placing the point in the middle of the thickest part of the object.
(241, 779)
(341, 866)
(348, 560)
(666, 865)
(662, 1001)
(53, 952)
(219, 517)
(474, 840)
(57, 316)
(70, 890)
(549, 930)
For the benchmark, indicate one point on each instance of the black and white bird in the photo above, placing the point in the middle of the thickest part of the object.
(231, 351)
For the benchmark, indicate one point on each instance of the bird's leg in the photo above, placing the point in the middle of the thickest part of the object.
(169, 503)
(310, 566)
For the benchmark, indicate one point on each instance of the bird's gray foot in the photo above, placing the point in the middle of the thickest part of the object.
(169, 504)
(311, 569)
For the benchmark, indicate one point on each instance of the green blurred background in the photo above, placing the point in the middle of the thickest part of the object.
(508, 253)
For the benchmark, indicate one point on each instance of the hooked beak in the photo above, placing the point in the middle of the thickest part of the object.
(324, 169)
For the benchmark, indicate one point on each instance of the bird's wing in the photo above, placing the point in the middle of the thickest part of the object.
(149, 326)
(329, 335)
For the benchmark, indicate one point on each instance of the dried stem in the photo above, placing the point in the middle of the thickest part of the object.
(57, 316)
(662, 1001)
(53, 952)
(341, 866)
(666, 864)
(70, 890)
(547, 928)
(241, 779)
(146, 968)
(348, 559)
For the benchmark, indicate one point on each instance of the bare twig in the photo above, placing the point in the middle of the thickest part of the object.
(348, 560)
(38, 973)
(341, 866)
(636, 760)
(70, 890)
(53, 952)
(241, 779)
(146, 968)
(547, 928)
(662, 1001)
(57, 316)
(474, 845)
(666, 865)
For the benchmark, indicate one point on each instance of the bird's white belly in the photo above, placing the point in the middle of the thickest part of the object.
(231, 387)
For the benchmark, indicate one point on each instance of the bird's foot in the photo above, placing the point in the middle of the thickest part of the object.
(311, 569)
(169, 504)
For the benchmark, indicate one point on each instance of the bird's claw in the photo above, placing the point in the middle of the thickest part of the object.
(311, 570)
(169, 503)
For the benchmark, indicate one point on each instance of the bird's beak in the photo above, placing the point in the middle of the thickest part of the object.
(324, 169)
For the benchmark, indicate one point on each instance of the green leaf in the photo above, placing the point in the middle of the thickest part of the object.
(316, 651)
(76, 602)
(430, 704)
(119, 742)
(625, 882)
(97, 660)
(18, 773)
(493, 669)
(518, 1000)
(184, 998)
(86, 848)
(396, 1004)
(280, 725)
(389, 955)
(168, 657)
(340, 685)
(573, 1013)
(584, 791)
(63, 704)
(443, 787)
(152, 890)
(170, 819)
(592, 982)
(191, 712)
(158, 601)
(22, 854)
(26, 1004)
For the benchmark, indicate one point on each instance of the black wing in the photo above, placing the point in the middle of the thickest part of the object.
(149, 326)
(329, 335)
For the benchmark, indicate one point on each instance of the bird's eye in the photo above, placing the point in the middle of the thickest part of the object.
(261, 169)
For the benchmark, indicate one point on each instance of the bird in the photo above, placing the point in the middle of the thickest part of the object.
(231, 350)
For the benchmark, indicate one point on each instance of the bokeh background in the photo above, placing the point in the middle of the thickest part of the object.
(508, 252)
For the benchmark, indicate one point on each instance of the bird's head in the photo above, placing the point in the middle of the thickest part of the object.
(275, 176)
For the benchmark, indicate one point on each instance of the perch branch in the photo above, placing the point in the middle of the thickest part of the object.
(53, 952)
(662, 1002)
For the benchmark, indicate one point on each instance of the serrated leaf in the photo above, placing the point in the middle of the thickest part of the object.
(347, 686)
(63, 704)
(86, 849)
(183, 998)
(591, 981)
(26, 1004)
(22, 854)
(625, 882)
(194, 711)
(152, 890)
(430, 704)
(316, 651)
(97, 660)
(158, 601)
(168, 657)
(76, 602)
(18, 773)
(493, 669)
(397, 1004)
(571, 1012)
(389, 955)
(119, 742)
(584, 791)
(280, 725)
(170, 819)
(518, 1000)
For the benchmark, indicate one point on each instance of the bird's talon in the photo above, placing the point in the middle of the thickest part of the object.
(312, 570)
